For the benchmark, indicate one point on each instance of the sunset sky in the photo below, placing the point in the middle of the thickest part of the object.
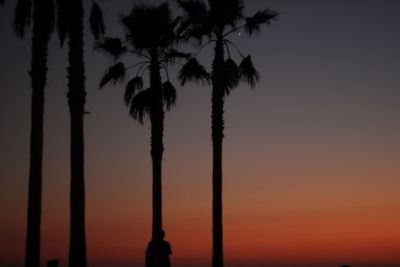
(311, 155)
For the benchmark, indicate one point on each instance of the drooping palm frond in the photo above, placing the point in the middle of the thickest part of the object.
(141, 104)
(193, 70)
(22, 17)
(172, 53)
(232, 75)
(1, 2)
(49, 13)
(64, 11)
(169, 95)
(248, 73)
(133, 86)
(263, 16)
(111, 46)
(96, 21)
(113, 74)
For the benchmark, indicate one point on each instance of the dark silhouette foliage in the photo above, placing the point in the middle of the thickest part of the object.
(96, 21)
(113, 74)
(192, 70)
(247, 72)
(111, 46)
(132, 87)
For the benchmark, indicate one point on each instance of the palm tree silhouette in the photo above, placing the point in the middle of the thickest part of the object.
(41, 14)
(216, 21)
(70, 25)
(151, 37)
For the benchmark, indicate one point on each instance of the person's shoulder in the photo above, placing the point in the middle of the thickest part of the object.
(167, 247)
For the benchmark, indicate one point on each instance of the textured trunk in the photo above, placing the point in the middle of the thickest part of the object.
(157, 147)
(76, 102)
(38, 81)
(217, 127)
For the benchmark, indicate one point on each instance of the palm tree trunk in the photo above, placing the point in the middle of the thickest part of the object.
(38, 79)
(157, 147)
(217, 128)
(76, 101)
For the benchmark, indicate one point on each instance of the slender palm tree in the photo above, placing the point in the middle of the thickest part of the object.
(216, 20)
(151, 38)
(70, 25)
(41, 14)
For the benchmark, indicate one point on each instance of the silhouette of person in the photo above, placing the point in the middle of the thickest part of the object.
(53, 263)
(158, 251)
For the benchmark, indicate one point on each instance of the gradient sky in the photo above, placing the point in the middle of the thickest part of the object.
(311, 156)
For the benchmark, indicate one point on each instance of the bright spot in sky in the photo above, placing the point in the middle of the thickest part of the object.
(239, 34)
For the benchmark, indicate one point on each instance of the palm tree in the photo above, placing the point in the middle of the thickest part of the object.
(216, 20)
(41, 14)
(70, 25)
(150, 37)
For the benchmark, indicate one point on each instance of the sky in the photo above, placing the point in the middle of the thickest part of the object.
(311, 155)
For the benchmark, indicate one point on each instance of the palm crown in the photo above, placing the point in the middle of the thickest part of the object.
(216, 20)
(151, 36)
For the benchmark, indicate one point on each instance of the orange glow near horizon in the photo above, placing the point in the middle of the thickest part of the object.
(266, 220)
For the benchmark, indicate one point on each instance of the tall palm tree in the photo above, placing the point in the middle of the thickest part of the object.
(151, 38)
(70, 25)
(41, 14)
(216, 20)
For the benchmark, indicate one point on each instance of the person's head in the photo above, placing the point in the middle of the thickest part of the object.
(161, 235)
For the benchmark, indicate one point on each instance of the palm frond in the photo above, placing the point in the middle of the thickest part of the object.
(134, 85)
(232, 75)
(111, 46)
(195, 9)
(172, 53)
(96, 21)
(1, 2)
(198, 32)
(113, 74)
(196, 23)
(193, 70)
(49, 13)
(176, 22)
(263, 16)
(248, 73)
(169, 95)
(149, 26)
(141, 104)
(226, 12)
(22, 17)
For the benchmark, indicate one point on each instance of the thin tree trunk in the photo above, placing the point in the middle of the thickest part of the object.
(76, 101)
(217, 127)
(157, 147)
(38, 81)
